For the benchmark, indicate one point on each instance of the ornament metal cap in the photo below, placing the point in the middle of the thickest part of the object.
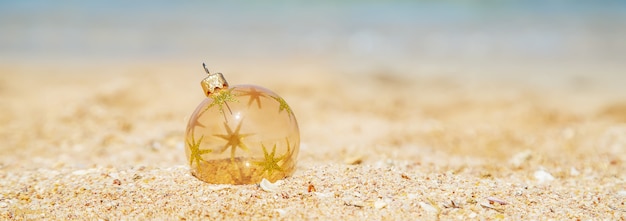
(213, 82)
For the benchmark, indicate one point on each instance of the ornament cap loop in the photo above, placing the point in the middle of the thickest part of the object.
(213, 82)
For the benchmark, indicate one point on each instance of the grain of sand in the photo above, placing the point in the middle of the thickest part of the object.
(375, 146)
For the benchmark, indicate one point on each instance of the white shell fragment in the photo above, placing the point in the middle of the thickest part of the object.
(268, 186)
(427, 207)
(281, 212)
(497, 200)
(217, 187)
(322, 195)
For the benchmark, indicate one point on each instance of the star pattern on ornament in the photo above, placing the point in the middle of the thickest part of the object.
(234, 139)
(283, 106)
(196, 122)
(270, 162)
(289, 154)
(254, 96)
(196, 153)
(220, 98)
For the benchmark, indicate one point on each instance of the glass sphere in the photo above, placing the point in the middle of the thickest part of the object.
(240, 135)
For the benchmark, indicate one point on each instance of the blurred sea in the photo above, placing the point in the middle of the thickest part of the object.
(369, 33)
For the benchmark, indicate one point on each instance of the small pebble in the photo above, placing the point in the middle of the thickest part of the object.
(80, 172)
(311, 188)
(322, 195)
(574, 172)
(520, 158)
(353, 160)
(380, 204)
(543, 176)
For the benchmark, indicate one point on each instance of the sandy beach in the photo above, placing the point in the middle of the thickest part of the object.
(407, 110)
(379, 145)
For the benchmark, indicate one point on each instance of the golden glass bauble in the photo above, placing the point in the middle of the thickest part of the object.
(241, 134)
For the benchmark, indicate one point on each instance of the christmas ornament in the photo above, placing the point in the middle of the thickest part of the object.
(241, 134)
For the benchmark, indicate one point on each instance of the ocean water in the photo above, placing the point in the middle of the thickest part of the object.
(380, 33)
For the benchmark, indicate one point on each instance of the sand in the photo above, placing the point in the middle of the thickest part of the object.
(106, 142)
